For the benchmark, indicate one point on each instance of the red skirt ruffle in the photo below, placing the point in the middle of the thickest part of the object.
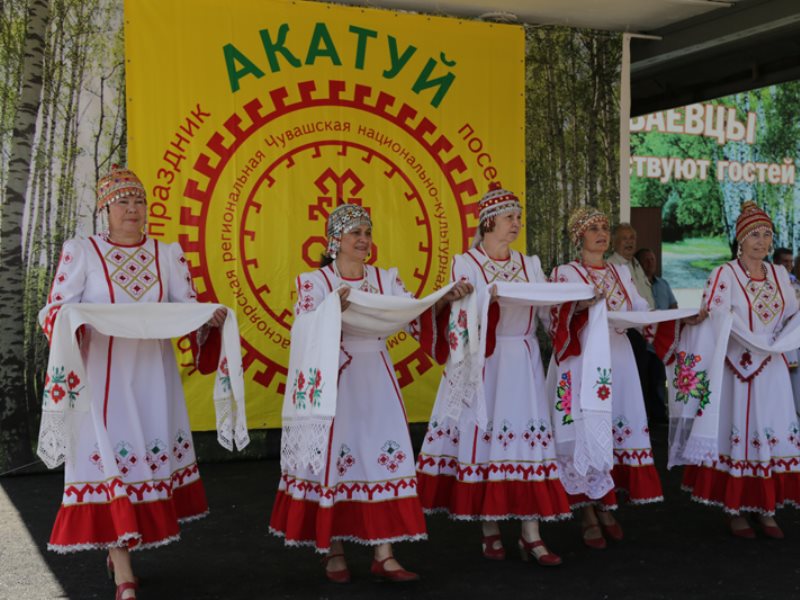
(544, 500)
(737, 494)
(641, 483)
(607, 502)
(103, 525)
(304, 522)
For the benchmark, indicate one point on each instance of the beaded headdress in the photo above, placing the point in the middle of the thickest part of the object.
(751, 219)
(497, 201)
(344, 219)
(581, 219)
(118, 184)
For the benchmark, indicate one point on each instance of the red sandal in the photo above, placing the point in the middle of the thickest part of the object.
(400, 575)
(489, 550)
(596, 543)
(526, 551)
(340, 576)
(124, 587)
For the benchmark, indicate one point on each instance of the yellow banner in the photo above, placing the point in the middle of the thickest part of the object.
(250, 120)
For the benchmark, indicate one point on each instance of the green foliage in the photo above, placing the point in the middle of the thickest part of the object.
(717, 245)
(691, 207)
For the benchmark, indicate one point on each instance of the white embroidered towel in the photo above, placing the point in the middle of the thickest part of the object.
(136, 321)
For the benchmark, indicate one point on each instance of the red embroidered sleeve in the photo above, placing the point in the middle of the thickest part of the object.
(432, 333)
(666, 338)
(565, 329)
(206, 355)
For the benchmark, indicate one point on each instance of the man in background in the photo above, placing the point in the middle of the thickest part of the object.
(662, 292)
(624, 249)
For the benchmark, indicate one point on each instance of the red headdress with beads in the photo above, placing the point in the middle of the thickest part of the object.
(118, 184)
(750, 219)
(497, 201)
(581, 219)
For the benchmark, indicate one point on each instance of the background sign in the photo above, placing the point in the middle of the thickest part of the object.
(698, 163)
(250, 120)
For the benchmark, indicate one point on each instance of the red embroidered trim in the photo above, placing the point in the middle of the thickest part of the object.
(524, 269)
(475, 260)
(622, 285)
(541, 469)
(350, 488)
(347, 362)
(713, 289)
(756, 468)
(637, 455)
(328, 281)
(109, 488)
(752, 375)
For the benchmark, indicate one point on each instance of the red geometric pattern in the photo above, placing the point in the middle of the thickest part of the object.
(643, 456)
(132, 271)
(449, 466)
(349, 490)
(765, 300)
(116, 487)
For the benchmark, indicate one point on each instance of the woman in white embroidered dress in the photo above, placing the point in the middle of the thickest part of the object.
(133, 477)
(507, 471)
(758, 469)
(634, 471)
(367, 493)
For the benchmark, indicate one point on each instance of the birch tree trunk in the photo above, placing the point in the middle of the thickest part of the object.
(15, 436)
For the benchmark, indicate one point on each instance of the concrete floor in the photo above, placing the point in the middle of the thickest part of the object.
(675, 549)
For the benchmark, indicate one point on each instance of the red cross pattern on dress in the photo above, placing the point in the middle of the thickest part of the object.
(506, 270)
(132, 270)
(605, 281)
(766, 300)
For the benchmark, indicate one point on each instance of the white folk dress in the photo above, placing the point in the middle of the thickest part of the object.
(133, 477)
(367, 492)
(758, 468)
(634, 470)
(507, 470)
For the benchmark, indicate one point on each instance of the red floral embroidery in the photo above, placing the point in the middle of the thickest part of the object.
(452, 338)
(57, 393)
(746, 360)
(73, 380)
